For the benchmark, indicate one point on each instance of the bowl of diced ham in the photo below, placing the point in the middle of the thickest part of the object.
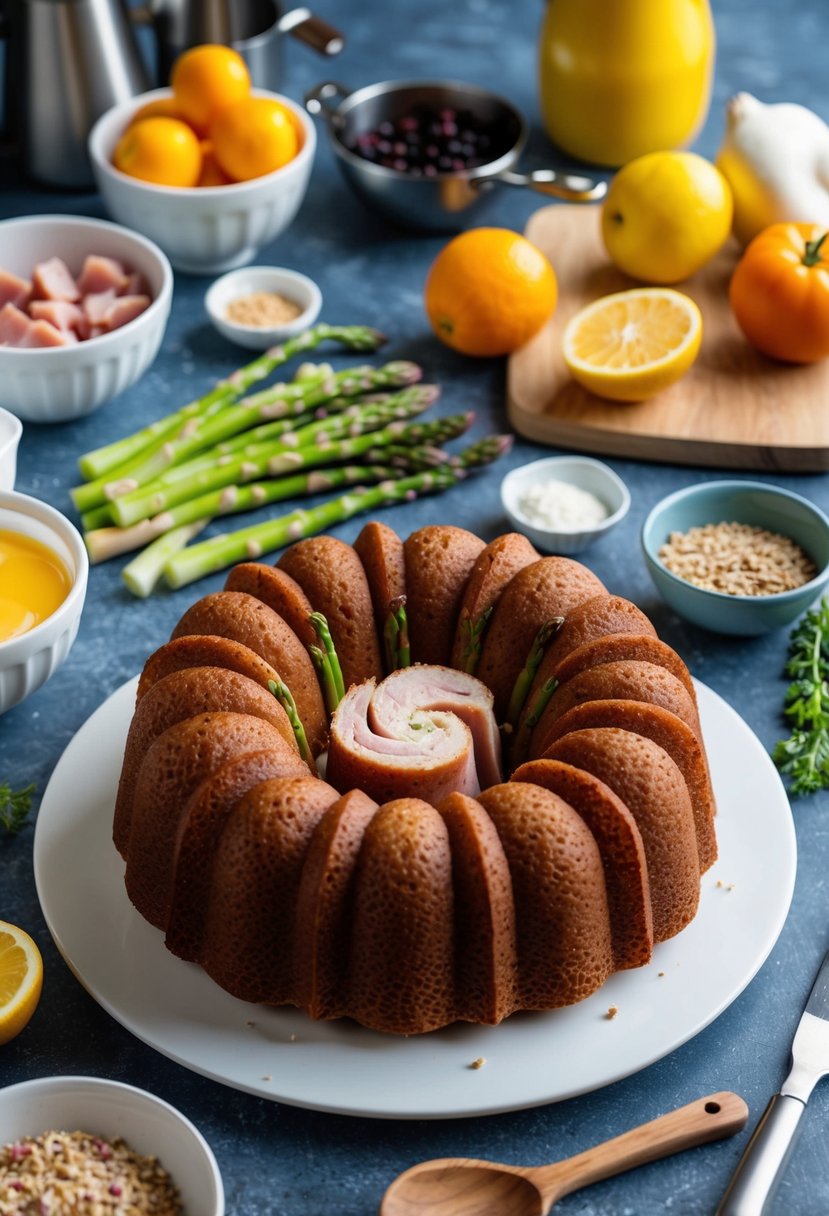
(83, 308)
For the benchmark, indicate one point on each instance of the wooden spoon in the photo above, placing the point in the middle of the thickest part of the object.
(462, 1186)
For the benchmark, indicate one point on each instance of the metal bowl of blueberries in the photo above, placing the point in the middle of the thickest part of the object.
(425, 152)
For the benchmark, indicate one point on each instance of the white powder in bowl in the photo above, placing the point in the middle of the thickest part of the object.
(562, 507)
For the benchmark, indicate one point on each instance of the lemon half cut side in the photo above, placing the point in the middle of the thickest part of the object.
(633, 344)
(21, 979)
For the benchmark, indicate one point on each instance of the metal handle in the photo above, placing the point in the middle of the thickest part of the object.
(765, 1158)
(570, 186)
(313, 31)
(319, 99)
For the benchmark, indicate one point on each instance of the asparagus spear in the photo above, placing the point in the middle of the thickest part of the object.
(521, 739)
(143, 574)
(105, 543)
(278, 404)
(274, 463)
(527, 673)
(327, 663)
(396, 636)
(252, 542)
(105, 459)
(474, 630)
(283, 695)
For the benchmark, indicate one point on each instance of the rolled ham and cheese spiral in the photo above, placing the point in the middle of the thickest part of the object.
(422, 732)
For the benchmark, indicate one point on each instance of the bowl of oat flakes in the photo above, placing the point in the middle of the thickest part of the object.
(737, 557)
(87, 1145)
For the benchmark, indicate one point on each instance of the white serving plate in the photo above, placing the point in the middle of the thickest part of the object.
(340, 1067)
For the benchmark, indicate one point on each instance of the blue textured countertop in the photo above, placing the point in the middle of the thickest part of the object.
(274, 1158)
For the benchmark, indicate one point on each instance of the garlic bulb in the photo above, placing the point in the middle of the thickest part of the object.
(776, 160)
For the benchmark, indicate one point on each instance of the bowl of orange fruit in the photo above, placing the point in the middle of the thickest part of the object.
(210, 168)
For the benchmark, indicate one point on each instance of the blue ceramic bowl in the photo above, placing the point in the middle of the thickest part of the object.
(745, 502)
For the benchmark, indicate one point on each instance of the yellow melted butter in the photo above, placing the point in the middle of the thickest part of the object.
(33, 583)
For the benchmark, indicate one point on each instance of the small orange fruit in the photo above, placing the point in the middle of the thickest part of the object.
(207, 79)
(162, 107)
(164, 151)
(254, 137)
(212, 173)
(488, 291)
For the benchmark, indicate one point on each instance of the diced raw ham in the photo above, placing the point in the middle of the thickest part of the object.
(136, 285)
(14, 290)
(14, 326)
(102, 274)
(41, 333)
(60, 313)
(97, 305)
(425, 730)
(52, 280)
(125, 308)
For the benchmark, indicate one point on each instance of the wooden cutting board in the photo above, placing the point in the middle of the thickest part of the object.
(734, 409)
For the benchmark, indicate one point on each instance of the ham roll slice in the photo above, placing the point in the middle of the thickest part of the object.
(421, 733)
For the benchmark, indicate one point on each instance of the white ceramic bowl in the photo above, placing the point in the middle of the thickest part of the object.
(582, 471)
(66, 382)
(207, 229)
(110, 1109)
(10, 431)
(29, 660)
(288, 283)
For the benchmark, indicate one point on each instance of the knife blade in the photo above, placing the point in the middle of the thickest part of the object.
(767, 1153)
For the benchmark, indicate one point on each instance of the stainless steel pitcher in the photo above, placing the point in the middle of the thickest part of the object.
(67, 62)
(255, 28)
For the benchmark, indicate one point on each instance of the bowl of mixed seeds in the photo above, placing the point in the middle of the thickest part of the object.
(87, 1146)
(737, 557)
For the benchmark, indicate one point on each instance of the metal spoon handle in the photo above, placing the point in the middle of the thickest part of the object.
(570, 186)
(762, 1164)
(707, 1119)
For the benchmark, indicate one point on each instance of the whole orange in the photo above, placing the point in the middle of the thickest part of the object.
(207, 79)
(164, 151)
(488, 291)
(254, 137)
(211, 172)
(162, 107)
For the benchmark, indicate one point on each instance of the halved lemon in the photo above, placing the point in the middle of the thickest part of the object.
(21, 979)
(631, 345)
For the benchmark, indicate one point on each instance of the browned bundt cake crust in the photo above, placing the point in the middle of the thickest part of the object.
(401, 911)
(180, 695)
(332, 576)
(537, 594)
(439, 561)
(495, 566)
(242, 618)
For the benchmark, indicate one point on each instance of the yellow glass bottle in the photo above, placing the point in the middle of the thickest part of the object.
(619, 78)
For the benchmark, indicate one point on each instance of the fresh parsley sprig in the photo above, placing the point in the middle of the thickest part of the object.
(804, 756)
(14, 806)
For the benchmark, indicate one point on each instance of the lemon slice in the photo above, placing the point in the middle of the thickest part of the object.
(631, 345)
(21, 978)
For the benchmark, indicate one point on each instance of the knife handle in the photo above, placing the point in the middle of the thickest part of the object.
(764, 1160)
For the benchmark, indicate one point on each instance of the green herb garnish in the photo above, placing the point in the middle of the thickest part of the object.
(14, 807)
(804, 756)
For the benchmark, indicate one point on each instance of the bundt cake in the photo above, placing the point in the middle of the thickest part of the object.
(516, 800)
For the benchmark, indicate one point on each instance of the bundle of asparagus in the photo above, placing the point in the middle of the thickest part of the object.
(225, 453)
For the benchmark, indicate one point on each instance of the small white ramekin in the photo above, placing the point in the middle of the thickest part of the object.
(583, 471)
(110, 1109)
(278, 279)
(61, 383)
(10, 432)
(206, 229)
(27, 661)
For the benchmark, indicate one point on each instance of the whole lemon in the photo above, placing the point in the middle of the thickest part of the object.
(665, 215)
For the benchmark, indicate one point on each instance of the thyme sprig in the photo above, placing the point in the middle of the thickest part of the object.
(804, 756)
(14, 807)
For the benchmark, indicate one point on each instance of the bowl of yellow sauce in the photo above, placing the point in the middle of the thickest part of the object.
(43, 575)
